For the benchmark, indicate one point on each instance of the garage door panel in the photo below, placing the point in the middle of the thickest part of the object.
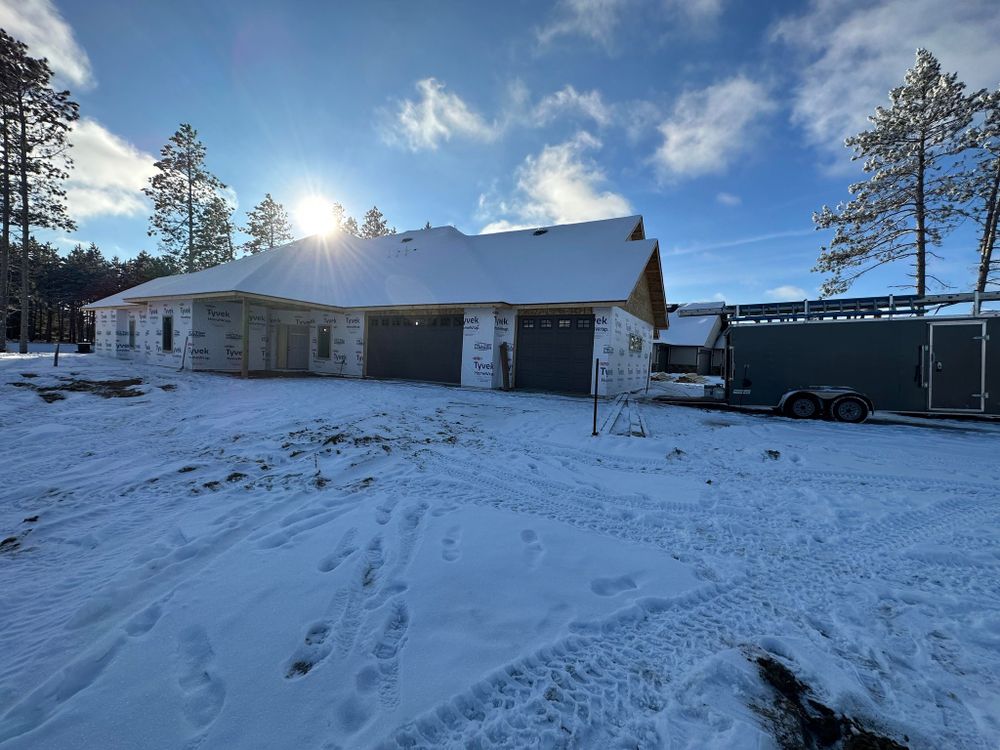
(427, 348)
(554, 353)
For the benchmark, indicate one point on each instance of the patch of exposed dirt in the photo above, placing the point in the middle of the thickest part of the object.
(800, 722)
(102, 388)
(10, 544)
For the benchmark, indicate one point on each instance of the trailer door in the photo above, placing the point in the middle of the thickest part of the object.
(958, 366)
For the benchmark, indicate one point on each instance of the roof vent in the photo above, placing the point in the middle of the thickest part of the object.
(538, 232)
(407, 239)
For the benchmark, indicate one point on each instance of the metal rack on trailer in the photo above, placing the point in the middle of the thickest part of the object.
(843, 358)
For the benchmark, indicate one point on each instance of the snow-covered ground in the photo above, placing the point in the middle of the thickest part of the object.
(321, 563)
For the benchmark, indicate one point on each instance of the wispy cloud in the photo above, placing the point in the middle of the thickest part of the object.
(740, 242)
(435, 116)
(700, 14)
(559, 185)
(109, 173)
(786, 292)
(568, 100)
(853, 53)
(728, 199)
(600, 20)
(710, 127)
(39, 24)
(438, 115)
(596, 20)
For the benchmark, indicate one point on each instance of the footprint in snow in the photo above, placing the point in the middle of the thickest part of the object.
(384, 511)
(533, 549)
(450, 550)
(612, 586)
(204, 693)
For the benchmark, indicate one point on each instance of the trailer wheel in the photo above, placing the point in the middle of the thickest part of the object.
(850, 409)
(803, 406)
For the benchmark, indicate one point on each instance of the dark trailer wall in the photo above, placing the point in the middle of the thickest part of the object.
(912, 364)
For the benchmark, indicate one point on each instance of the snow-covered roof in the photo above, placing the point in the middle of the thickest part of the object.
(700, 330)
(587, 262)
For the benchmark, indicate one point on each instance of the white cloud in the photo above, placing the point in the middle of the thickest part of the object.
(786, 292)
(854, 53)
(593, 19)
(600, 20)
(559, 185)
(698, 13)
(711, 126)
(109, 173)
(38, 24)
(436, 116)
(570, 101)
(728, 199)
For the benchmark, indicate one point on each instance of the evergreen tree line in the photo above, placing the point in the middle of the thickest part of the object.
(932, 162)
(61, 284)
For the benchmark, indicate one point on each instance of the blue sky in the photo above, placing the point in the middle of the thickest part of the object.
(720, 122)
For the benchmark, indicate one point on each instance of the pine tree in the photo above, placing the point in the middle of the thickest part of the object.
(375, 225)
(13, 55)
(343, 222)
(41, 121)
(908, 203)
(428, 225)
(339, 215)
(350, 226)
(267, 225)
(214, 233)
(981, 184)
(183, 192)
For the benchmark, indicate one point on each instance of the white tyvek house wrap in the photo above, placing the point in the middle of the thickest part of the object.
(104, 332)
(477, 347)
(347, 343)
(217, 336)
(623, 344)
(485, 328)
(276, 318)
(122, 350)
(182, 315)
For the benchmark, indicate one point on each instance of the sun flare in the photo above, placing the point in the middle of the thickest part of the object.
(314, 215)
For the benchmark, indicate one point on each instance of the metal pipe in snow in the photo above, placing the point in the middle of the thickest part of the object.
(597, 377)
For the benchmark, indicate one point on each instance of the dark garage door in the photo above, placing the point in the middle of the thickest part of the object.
(426, 347)
(555, 353)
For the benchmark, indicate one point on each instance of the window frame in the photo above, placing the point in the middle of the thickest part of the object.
(167, 333)
(320, 336)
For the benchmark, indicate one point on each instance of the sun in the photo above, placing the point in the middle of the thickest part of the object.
(314, 214)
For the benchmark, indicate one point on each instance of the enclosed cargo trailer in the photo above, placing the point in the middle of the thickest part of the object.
(843, 358)
(941, 365)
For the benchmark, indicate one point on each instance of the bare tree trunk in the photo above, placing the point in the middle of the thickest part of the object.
(5, 216)
(190, 222)
(989, 237)
(25, 225)
(921, 227)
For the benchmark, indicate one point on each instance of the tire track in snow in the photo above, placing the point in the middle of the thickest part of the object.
(541, 698)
